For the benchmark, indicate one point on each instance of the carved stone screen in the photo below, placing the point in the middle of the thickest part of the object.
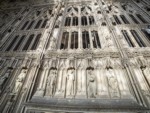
(75, 56)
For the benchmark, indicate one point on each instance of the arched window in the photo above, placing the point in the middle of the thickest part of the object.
(103, 24)
(35, 44)
(12, 43)
(117, 19)
(69, 10)
(146, 34)
(127, 38)
(141, 18)
(98, 12)
(74, 40)
(133, 18)
(85, 39)
(27, 44)
(91, 20)
(75, 21)
(95, 39)
(84, 20)
(64, 40)
(38, 24)
(19, 42)
(30, 25)
(138, 38)
(25, 24)
(44, 24)
(124, 19)
(38, 13)
(68, 21)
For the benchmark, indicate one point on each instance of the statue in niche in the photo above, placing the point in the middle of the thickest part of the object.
(19, 81)
(70, 82)
(91, 83)
(53, 43)
(4, 77)
(51, 82)
(109, 42)
(112, 83)
(145, 70)
(81, 78)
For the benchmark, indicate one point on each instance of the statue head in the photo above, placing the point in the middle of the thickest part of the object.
(53, 71)
(90, 70)
(141, 61)
(24, 71)
(71, 70)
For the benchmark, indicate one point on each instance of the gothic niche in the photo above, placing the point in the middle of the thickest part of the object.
(143, 76)
(3, 78)
(51, 82)
(19, 81)
(143, 65)
(91, 83)
(112, 83)
(113, 86)
(70, 83)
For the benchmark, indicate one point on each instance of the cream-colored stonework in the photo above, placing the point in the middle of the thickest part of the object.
(70, 56)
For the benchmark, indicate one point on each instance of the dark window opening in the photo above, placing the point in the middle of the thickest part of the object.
(38, 24)
(35, 44)
(64, 41)
(124, 19)
(25, 24)
(134, 19)
(19, 43)
(117, 19)
(127, 38)
(138, 38)
(91, 20)
(38, 13)
(146, 34)
(30, 25)
(44, 24)
(99, 12)
(75, 21)
(28, 42)
(141, 18)
(85, 39)
(103, 24)
(74, 40)
(12, 43)
(95, 39)
(84, 20)
(68, 21)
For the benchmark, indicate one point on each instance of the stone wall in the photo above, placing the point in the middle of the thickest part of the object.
(74, 56)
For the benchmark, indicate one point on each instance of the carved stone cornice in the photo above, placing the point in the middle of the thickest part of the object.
(81, 53)
(31, 54)
(133, 52)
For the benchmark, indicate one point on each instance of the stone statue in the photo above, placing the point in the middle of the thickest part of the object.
(70, 82)
(112, 83)
(19, 81)
(143, 65)
(53, 43)
(146, 72)
(91, 83)
(109, 42)
(141, 61)
(51, 83)
(3, 78)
